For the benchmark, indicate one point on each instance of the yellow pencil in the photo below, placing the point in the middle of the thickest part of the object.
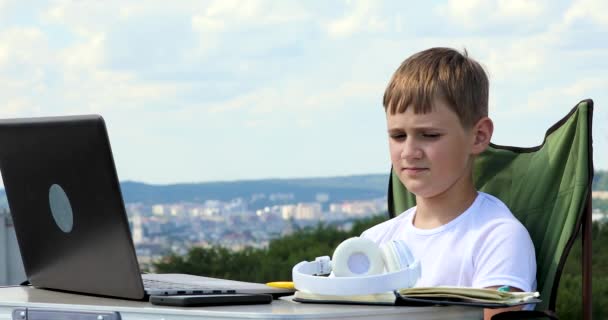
(281, 284)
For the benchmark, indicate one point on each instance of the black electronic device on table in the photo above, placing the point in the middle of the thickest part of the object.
(211, 300)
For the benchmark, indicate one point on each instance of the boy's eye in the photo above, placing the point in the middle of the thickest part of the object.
(431, 135)
(398, 136)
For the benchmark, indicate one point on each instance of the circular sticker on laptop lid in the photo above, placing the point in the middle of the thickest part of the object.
(61, 208)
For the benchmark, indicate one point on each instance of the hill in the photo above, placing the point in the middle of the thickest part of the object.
(301, 190)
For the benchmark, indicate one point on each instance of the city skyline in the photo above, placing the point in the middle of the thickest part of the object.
(201, 91)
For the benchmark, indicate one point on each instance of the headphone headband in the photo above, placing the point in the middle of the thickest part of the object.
(304, 279)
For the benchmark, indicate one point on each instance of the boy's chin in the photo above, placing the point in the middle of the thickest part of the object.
(422, 194)
(416, 189)
(421, 191)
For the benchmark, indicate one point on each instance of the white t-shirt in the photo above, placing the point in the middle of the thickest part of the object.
(484, 246)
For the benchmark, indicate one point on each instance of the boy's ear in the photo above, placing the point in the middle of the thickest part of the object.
(482, 134)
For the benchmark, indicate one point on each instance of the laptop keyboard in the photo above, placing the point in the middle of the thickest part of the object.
(182, 288)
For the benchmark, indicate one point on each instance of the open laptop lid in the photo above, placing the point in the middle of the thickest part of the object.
(66, 204)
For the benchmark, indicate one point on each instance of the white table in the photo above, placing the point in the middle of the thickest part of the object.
(12, 298)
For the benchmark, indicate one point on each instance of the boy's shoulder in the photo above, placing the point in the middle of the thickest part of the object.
(493, 221)
(493, 201)
(493, 210)
(388, 229)
(486, 214)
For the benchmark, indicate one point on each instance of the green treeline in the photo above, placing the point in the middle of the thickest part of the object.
(275, 263)
(569, 295)
(600, 204)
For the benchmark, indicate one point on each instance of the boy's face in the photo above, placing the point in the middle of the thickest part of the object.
(431, 153)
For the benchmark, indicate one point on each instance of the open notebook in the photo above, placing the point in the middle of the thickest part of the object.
(487, 298)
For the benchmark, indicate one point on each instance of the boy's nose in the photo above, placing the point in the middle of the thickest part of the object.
(410, 150)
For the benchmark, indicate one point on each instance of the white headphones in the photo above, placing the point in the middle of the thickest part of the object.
(359, 267)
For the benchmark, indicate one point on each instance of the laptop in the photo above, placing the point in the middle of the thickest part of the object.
(69, 215)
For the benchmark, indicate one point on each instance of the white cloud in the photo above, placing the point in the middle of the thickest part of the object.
(24, 54)
(586, 86)
(88, 54)
(480, 14)
(6, 6)
(516, 57)
(22, 45)
(594, 10)
(205, 23)
(465, 12)
(266, 97)
(40, 80)
(257, 24)
(297, 96)
(546, 99)
(16, 106)
(343, 95)
(84, 19)
(520, 8)
(223, 14)
(363, 17)
(526, 57)
(3, 4)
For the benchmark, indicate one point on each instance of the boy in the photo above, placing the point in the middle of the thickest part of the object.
(436, 108)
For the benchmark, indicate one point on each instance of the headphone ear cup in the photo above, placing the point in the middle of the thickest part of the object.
(357, 257)
(390, 257)
(396, 255)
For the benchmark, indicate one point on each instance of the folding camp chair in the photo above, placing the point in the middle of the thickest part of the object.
(548, 188)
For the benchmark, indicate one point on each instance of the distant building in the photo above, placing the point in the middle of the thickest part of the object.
(137, 230)
(288, 211)
(359, 208)
(599, 195)
(176, 210)
(158, 210)
(308, 211)
(11, 266)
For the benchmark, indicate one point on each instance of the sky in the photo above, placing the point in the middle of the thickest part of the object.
(198, 91)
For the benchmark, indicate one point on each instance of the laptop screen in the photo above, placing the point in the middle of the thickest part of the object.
(67, 208)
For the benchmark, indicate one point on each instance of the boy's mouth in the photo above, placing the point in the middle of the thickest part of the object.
(413, 170)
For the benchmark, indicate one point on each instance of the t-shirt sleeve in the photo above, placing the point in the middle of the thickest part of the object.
(375, 233)
(387, 230)
(505, 257)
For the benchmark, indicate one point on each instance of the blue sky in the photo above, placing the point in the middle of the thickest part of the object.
(196, 91)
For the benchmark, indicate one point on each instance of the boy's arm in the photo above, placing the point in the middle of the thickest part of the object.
(505, 257)
(489, 313)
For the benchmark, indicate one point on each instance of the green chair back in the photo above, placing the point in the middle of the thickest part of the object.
(546, 187)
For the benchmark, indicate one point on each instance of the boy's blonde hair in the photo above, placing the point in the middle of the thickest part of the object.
(443, 73)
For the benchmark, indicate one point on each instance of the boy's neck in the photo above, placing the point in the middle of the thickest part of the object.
(445, 207)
